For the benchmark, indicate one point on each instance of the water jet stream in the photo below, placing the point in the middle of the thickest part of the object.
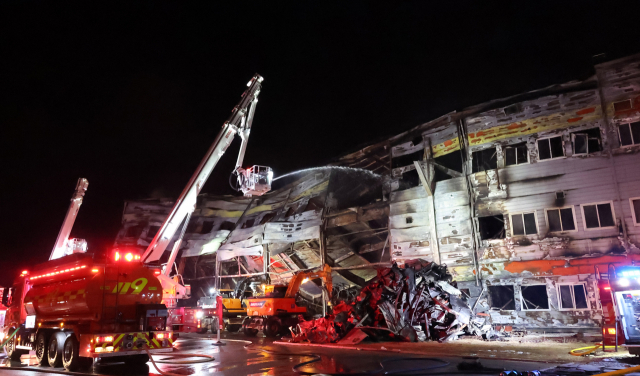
(340, 168)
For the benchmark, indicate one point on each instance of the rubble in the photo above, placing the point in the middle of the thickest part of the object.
(419, 302)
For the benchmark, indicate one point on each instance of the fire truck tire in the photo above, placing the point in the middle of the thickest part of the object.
(10, 348)
(42, 342)
(136, 360)
(273, 327)
(55, 348)
(70, 354)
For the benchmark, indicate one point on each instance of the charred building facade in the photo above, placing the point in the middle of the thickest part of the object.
(520, 197)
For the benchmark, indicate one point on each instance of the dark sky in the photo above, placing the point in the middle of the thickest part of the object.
(130, 95)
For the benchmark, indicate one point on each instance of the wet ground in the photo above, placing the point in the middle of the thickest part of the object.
(262, 357)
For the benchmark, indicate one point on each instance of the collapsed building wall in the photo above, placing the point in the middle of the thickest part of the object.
(520, 197)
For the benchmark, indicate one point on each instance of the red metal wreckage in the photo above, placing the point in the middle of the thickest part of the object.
(416, 303)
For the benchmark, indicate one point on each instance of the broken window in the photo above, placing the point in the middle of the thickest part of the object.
(491, 227)
(622, 105)
(484, 160)
(248, 223)
(516, 154)
(572, 296)
(192, 228)
(629, 133)
(227, 225)
(587, 141)
(635, 210)
(407, 159)
(513, 109)
(502, 297)
(134, 231)
(534, 297)
(549, 148)
(206, 227)
(153, 230)
(561, 219)
(524, 224)
(267, 217)
(598, 215)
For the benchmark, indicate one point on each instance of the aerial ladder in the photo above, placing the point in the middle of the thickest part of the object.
(254, 181)
(65, 246)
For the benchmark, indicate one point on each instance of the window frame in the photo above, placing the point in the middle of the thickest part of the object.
(573, 296)
(515, 306)
(522, 303)
(564, 152)
(633, 143)
(473, 159)
(633, 212)
(535, 216)
(504, 154)
(573, 143)
(573, 212)
(584, 218)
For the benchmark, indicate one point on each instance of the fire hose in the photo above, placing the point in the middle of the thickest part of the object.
(8, 338)
(209, 358)
(585, 350)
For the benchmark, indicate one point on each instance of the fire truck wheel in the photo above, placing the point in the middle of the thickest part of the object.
(41, 348)
(70, 354)
(10, 348)
(55, 348)
(273, 327)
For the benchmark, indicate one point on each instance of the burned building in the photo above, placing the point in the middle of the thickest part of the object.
(521, 197)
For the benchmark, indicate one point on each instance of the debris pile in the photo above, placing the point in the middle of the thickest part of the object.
(416, 303)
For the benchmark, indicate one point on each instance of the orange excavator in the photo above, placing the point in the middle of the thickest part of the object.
(276, 309)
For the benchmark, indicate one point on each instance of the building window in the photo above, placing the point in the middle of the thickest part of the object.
(549, 148)
(153, 230)
(516, 154)
(524, 224)
(635, 210)
(491, 227)
(206, 227)
(562, 219)
(134, 231)
(572, 296)
(227, 225)
(629, 133)
(483, 160)
(622, 105)
(598, 215)
(586, 142)
(502, 297)
(534, 297)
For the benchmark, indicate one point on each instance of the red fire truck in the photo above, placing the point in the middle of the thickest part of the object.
(619, 290)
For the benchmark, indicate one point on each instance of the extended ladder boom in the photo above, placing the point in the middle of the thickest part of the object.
(60, 249)
(239, 122)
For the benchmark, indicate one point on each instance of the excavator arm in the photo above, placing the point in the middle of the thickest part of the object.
(300, 278)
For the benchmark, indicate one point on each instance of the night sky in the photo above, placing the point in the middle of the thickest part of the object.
(130, 95)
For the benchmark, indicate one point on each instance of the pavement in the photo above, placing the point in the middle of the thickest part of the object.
(260, 356)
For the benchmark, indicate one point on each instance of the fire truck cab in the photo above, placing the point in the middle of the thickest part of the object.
(619, 291)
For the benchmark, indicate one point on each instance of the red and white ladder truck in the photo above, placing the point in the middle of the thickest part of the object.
(78, 306)
(619, 290)
(254, 181)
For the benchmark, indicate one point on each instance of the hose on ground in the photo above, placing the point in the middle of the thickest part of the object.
(582, 351)
(164, 373)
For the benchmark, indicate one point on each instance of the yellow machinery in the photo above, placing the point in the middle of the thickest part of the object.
(276, 309)
(233, 310)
